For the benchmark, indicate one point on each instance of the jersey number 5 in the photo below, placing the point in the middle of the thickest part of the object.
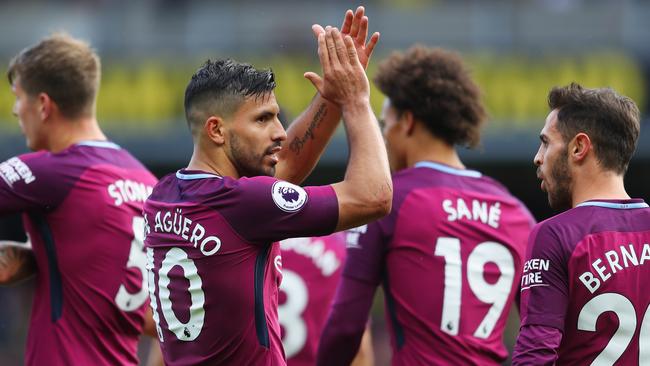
(495, 294)
(125, 300)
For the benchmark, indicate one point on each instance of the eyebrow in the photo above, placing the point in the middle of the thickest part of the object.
(267, 114)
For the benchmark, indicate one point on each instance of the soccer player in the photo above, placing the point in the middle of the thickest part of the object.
(449, 255)
(210, 228)
(583, 298)
(311, 270)
(81, 197)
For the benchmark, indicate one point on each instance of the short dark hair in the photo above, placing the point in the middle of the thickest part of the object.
(435, 86)
(219, 87)
(65, 68)
(609, 119)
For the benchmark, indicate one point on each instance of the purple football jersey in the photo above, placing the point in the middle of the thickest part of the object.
(83, 214)
(215, 265)
(311, 270)
(584, 275)
(449, 256)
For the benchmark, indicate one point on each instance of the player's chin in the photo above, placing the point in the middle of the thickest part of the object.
(268, 170)
(31, 145)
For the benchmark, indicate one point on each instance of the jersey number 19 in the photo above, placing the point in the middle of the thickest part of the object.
(495, 294)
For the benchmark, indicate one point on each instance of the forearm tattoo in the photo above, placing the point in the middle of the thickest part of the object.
(299, 142)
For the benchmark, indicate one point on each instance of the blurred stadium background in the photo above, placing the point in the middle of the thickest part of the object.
(517, 49)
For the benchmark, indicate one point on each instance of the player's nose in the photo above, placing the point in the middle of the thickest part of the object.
(279, 134)
(537, 159)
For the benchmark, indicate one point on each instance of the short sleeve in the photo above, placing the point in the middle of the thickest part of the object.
(366, 246)
(544, 284)
(29, 182)
(266, 209)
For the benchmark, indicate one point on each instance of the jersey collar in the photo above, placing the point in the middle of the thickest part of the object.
(447, 169)
(618, 205)
(95, 143)
(194, 174)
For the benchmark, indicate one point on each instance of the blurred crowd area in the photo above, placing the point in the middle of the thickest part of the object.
(517, 50)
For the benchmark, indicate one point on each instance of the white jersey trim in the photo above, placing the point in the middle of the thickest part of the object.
(182, 176)
(618, 206)
(448, 169)
(105, 144)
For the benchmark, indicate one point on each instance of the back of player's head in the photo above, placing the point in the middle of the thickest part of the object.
(220, 87)
(64, 68)
(435, 86)
(609, 119)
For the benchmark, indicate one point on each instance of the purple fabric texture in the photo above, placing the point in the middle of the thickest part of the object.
(215, 265)
(346, 323)
(537, 345)
(584, 276)
(82, 211)
(311, 270)
(450, 233)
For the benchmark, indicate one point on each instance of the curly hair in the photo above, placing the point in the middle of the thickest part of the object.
(609, 119)
(436, 87)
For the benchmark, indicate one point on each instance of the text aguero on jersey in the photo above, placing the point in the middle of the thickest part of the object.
(174, 222)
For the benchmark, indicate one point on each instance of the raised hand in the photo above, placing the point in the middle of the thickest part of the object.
(356, 26)
(344, 80)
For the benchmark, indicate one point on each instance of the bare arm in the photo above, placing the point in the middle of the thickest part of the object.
(307, 138)
(309, 134)
(16, 262)
(155, 357)
(366, 192)
(149, 326)
(365, 356)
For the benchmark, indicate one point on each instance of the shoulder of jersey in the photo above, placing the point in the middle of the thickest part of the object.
(562, 221)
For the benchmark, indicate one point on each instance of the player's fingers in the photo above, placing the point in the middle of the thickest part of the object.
(331, 48)
(351, 51)
(358, 15)
(340, 47)
(317, 29)
(372, 43)
(347, 22)
(363, 31)
(316, 80)
(323, 54)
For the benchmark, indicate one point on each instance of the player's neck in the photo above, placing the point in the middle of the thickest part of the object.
(432, 149)
(212, 161)
(602, 185)
(69, 132)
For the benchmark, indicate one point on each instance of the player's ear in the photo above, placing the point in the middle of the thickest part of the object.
(214, 129)
(46, 106)
(408, 122)
(580, 146)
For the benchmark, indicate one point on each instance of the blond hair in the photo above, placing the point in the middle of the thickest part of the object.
(64, 68)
